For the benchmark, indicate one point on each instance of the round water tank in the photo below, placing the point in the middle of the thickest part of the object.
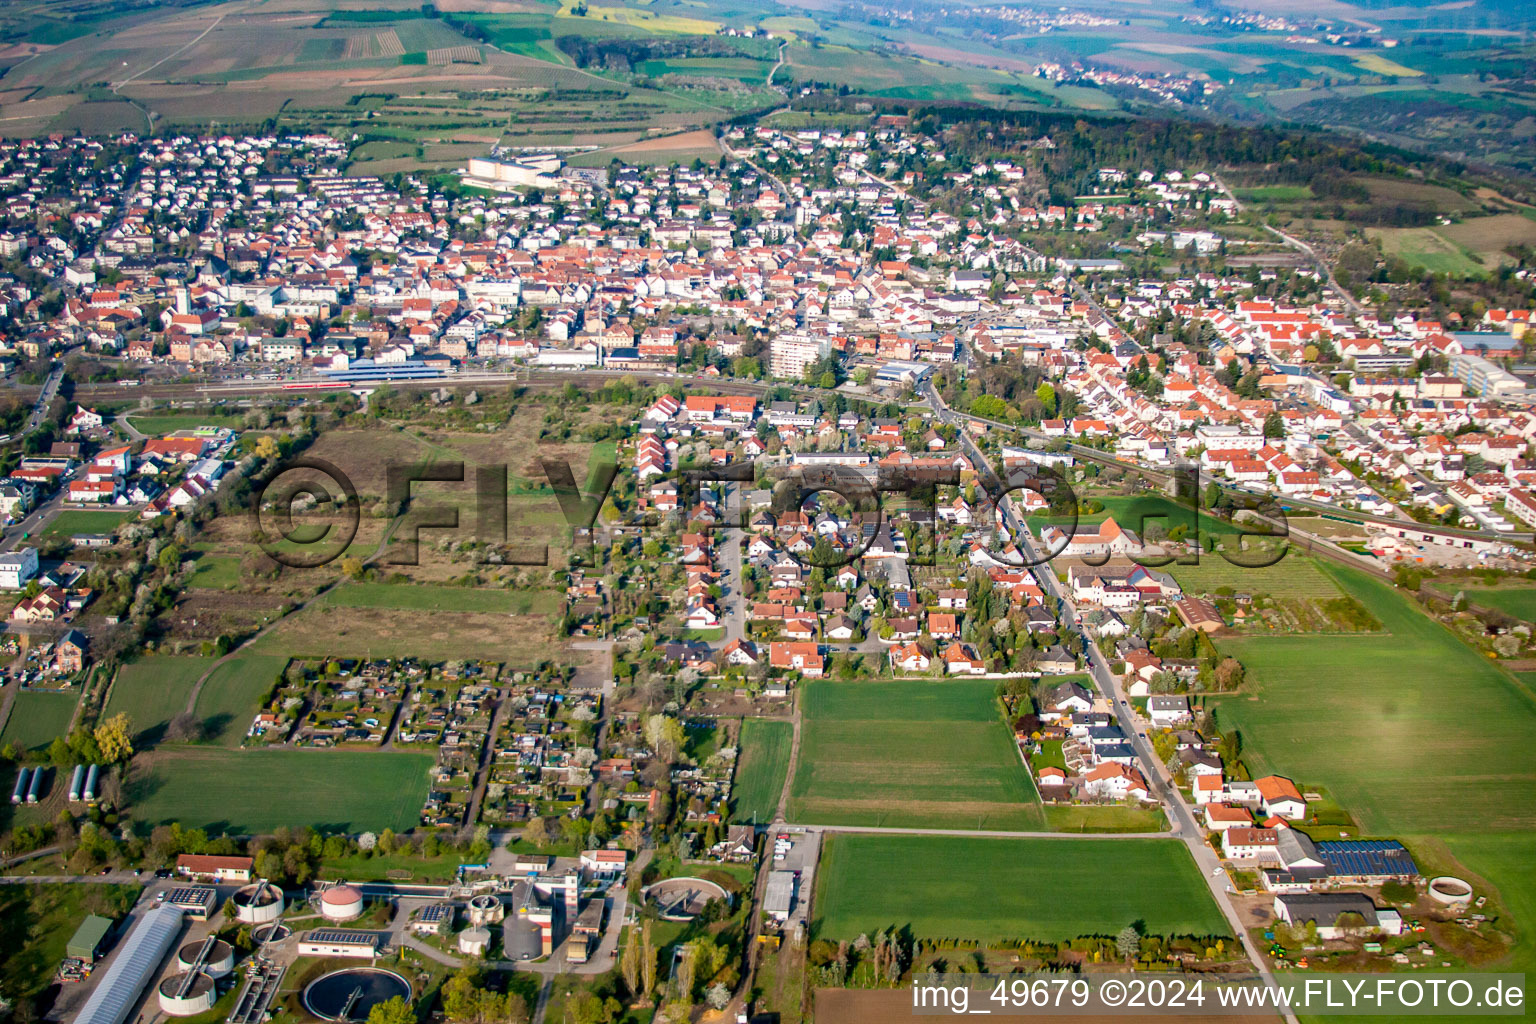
(486, 909)
(260, 903)
(474, 941)
(199, 996)
(219, 962)
(341, 903)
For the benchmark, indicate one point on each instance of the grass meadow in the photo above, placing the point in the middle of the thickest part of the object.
(255, 791)
(928, 754)
(152, 691)
(1517, 601)
(761, 765)
(231, 695)
(37, 717)
(988, 890)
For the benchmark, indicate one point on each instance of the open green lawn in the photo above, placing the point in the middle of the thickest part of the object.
(761, 765)
(1412, 731)
(155, 424)
(917, 753)
(152, 691)
(216, 572)
(988, 890)
(72, 521)
(37, 717)
(1519, 602)
(253, 791)
(423, 597)
(230, 696)
(1090, 818)
(1274, 193)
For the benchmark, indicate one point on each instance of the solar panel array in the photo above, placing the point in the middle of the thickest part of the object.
(1366, 857)
(342, 937)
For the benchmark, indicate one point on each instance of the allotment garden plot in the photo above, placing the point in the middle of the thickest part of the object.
(925, 754)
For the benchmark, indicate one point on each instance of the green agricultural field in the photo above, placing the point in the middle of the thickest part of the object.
(1517, 601)
(988, 890)
(1428, 249)
(255, 791)
(230, 697)
(910, 753)
(1089, 819)
(72, 521)
(1294, 576)
(152, 691)
(422, 597)
(761, 765)
(37, 717)
(1504, 860)
(1412, 731)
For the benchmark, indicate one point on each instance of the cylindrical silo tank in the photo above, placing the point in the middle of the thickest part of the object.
(521, 939)
(341, 903)
(77, 783)
(183, 995)
(218, 962)
(259, 903)
(474, 941)
(23, 777)
(91, 778)
(35, 790)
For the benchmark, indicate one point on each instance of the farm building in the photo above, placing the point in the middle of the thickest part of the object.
(86, 942)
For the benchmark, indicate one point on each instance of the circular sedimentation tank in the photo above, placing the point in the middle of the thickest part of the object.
(260, 903)
(271, 933)
(327, 997)
(198, 997)
(219, 962)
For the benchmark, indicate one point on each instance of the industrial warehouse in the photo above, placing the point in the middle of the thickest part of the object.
(212, 936)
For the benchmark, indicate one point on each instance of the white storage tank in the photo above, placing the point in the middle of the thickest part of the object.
(474, 941)
(258, 903)
(341, 903)
(187, 995)
(218, 963)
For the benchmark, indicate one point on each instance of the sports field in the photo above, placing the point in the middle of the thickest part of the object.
(152, 691)
(915, 753)
(760, 769)
(1411, 731)
(230, 696)
(422, 597)
(37, 717)
(73, 521)
(988, 890)
(164, 423)
(253, 791)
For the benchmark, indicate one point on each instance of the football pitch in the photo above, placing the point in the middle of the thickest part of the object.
(910, 754)
(989, 890)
